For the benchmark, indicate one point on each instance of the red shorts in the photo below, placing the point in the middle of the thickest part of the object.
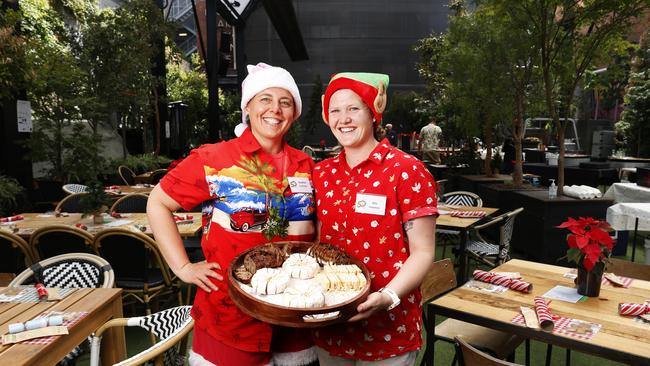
(220, 354)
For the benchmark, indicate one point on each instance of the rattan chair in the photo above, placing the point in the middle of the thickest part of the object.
(471, 356)
(138, 264)
(439, 280)
(72, 270)
(74, 188)
(71, 203)
(133, 202)
(15, 253)
(488, 252)
(157, 175)
(448, 237)
(127, 175)
(53, 240)
(170, 326)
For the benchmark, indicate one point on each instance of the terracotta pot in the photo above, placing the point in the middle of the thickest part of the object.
(98, 219)
(588, 282)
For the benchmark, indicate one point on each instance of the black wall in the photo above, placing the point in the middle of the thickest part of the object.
(371, 36)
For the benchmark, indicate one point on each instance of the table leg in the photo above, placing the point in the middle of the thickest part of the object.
(636, 228)
(113, 346)
(462, 264)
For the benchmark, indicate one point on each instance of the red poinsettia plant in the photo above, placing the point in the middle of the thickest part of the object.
(589, 242)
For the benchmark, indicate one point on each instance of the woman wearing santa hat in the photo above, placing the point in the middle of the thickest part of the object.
(378, 204)
(253, 174)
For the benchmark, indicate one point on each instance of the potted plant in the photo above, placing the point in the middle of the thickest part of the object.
(9, 190)
(589, 246)
(95, 202)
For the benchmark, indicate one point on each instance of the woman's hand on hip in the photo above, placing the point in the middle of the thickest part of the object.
(375, 302)
(199, 274)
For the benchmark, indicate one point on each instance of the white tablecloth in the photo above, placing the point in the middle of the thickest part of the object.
(622, 216)
(628, 192)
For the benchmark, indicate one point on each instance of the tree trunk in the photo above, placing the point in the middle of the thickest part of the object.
(157, 121)
(487, 145)
(517, 135)
(560, 160)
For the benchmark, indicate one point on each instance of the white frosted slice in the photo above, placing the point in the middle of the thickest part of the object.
(304, 297)
(301, 266)
(269, 281)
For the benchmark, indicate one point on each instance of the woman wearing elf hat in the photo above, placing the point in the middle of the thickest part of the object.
(249, 174)
(378, 204)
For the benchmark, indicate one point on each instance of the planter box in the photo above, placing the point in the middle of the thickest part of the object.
(573, 175)
(536, 235)
(500, 195)
(470, 182)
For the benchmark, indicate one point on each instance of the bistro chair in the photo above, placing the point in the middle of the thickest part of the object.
(53, 240)
(15, 253)
(462, 198)
(439, 280)
(133, 202)
(74, 188)
(138, 264)
(471, 356)
(71, 203)
(488, 252)
(127, 175)
(157, 175)
(171, 327)
(456, 198)
(309, 151)
(72, 270)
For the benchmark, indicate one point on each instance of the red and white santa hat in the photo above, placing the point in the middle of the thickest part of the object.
(263, 76)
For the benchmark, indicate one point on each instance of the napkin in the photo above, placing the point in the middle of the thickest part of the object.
(544, 314)
(468, 214)
(501, 280)
(633, 309)
(12, 218)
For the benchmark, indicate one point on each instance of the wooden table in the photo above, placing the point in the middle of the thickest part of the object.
(35, 221)
(463, 225)
(101, 305)
(138, 188)
(620, 338)
(143, 178)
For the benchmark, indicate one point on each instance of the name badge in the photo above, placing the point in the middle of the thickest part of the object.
(373, 204)
(300, 185)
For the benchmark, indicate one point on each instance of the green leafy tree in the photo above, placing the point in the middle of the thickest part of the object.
(188, 83)
(13, 64)
(408, 110)
(573, 36)
(314, 116)
(635, 122)
(477, 83)
(10, 189)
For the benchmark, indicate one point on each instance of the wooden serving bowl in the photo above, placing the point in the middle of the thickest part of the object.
(294, 317)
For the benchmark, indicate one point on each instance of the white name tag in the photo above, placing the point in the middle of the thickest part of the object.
(370, 203)
(300, 185)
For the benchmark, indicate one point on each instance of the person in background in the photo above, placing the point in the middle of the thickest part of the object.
(429, 141)
(378, 204)
(390, 134)
(380, 133)
(251, 173)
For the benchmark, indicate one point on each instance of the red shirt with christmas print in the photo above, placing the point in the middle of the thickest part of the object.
(245, 188)
(362, 210)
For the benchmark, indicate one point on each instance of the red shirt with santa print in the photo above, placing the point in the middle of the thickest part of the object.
(362, 210)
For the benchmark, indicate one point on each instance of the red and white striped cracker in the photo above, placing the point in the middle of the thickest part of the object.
(521, 286)
(630, 309)
(543, 314)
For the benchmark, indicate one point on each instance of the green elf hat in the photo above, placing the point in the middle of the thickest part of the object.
(371, 87)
